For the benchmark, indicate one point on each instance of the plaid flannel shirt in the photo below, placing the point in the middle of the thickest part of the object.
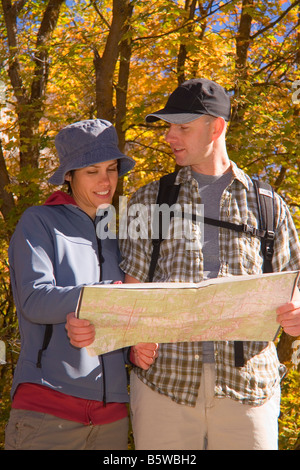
(177, 370)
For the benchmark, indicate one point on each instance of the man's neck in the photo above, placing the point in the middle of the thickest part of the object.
(216, 162)
(213, 168)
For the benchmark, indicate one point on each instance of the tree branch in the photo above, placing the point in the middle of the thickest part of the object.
(10, 18)
(190, 22)
(18, 6)
(45, 32)
(100, 14)
(273, 23)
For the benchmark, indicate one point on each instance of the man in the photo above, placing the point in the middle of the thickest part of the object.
(193, 396)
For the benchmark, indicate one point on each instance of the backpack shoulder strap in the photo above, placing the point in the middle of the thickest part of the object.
(167, 194)
(265, 203)
(168, 190)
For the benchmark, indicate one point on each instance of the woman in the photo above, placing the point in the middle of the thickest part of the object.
(61, 397)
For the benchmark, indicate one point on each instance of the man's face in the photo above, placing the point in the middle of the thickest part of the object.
(192, 143)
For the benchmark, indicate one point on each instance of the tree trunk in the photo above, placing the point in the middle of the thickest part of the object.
(190, 7)
(7, 203)
(243, 41)
(105, 65)
(121, 93)
(284, 348)
(123, 79)
(29, 103)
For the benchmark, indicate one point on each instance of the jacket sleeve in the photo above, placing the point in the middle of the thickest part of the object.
(31, 254)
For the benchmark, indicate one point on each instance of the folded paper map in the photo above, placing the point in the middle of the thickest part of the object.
(222, 309)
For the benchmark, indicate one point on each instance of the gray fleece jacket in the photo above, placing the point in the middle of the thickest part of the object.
(54, 251)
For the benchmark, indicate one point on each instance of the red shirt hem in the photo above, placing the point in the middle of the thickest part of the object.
(36, 397)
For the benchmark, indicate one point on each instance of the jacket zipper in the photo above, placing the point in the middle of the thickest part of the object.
(100, 279)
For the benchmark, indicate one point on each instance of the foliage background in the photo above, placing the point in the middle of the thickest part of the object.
(67, 60)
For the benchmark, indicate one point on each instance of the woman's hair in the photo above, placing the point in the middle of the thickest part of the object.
(69, 189)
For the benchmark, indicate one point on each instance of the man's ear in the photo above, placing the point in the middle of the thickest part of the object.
(219, 126)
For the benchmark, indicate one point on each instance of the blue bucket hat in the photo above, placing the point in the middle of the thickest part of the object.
(86, 143)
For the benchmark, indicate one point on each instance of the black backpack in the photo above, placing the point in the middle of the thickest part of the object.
(168, 193)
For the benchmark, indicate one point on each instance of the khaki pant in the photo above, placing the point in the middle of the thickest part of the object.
(214, 424)
(29, 430)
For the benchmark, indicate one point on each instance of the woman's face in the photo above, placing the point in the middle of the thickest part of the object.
(94, 185)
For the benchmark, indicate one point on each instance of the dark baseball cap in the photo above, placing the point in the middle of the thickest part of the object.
(191, 100)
